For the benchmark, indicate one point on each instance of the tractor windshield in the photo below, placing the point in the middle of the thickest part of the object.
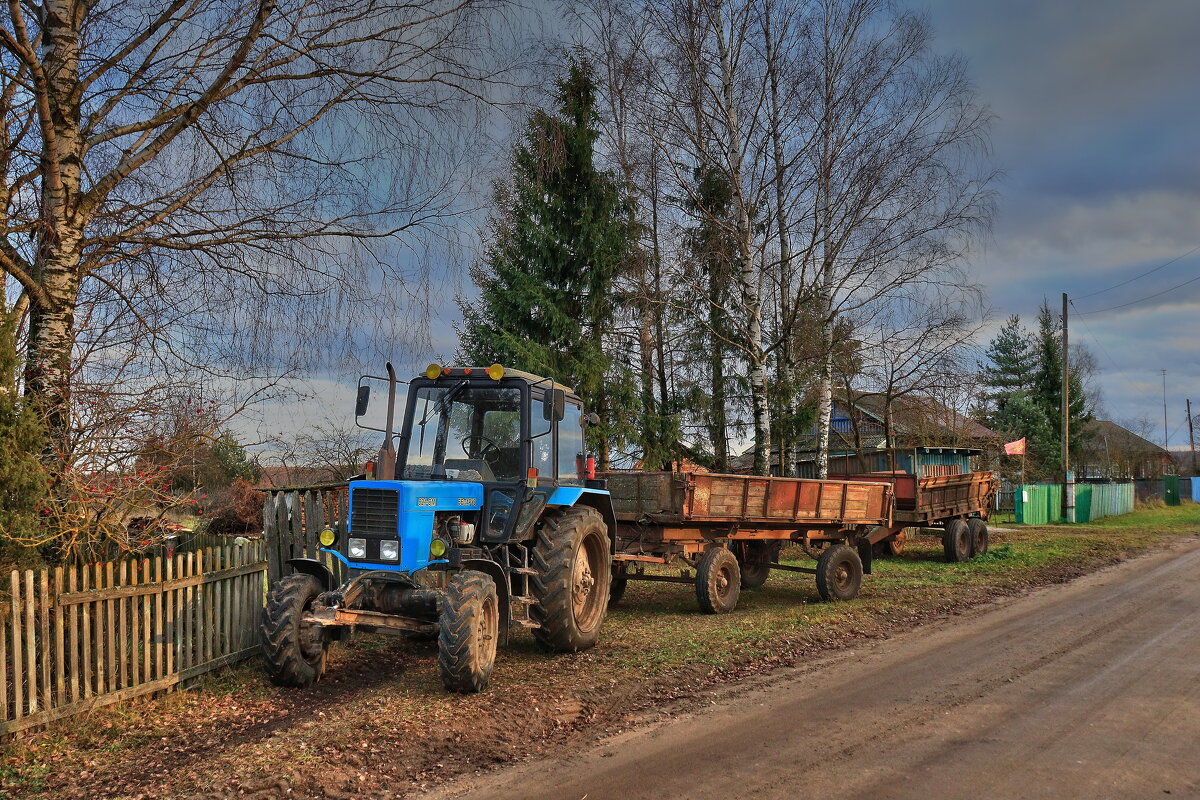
(465, 432)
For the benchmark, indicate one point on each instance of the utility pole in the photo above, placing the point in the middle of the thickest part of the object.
(1068, 509)
(1191, 435)
(1164, 376)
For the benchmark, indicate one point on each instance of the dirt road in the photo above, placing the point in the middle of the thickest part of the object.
(1091, 689)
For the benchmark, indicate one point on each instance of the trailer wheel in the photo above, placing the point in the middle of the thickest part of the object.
(956, 541)
(468, 628)
(573, 566)
(754, 561)
(616, 588)
(718, 581)
(839, 573)
(293, 650)
(978, 534)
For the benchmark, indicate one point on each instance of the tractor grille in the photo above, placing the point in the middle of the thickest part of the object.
(376, 512)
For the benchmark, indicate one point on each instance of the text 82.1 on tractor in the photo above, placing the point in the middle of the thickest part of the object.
(484, 517)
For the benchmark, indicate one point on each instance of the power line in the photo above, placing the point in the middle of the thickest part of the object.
(1143, 299)
(1141, 275)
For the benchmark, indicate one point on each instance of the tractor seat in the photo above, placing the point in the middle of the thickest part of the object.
(471, 469)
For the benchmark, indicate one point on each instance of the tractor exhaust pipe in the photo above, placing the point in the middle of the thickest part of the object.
(387, 453)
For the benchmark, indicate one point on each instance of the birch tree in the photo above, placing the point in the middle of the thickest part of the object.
(218, 181)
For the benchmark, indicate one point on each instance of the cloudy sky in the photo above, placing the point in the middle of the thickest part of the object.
(1097, 128)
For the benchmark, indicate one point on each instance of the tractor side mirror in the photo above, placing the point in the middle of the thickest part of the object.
(554, 404)
(364, 399)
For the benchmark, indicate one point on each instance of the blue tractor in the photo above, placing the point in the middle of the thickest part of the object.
(480, 517)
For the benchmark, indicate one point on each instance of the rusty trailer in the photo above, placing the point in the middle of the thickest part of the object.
(953, 507)
(729, 529)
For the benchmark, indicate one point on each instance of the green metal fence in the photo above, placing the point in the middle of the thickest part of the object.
(1041, 504)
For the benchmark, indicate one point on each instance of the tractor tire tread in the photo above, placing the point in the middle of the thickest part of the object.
(559, 538)
(279, 632)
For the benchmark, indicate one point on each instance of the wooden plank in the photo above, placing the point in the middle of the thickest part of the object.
(310, 522)
(135, 638)
(271, 536)
(18, 677)
(159, 598)
(31, 675)
(4, 669)
(224, 608)
(146, 621)
(123, 626)
(187, 656)
(60, 663)
(204, 609)
(168, 629)
(47, 686)
(97, 631)
(73, 644)
(93, 595)
(111, 638)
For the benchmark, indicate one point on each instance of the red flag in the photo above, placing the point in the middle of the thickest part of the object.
(1016, 448)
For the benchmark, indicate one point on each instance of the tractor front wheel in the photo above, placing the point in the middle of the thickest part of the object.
(293, 650)
(468, 629)
(573, 581)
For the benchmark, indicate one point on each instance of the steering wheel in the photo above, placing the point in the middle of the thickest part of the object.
(488, 451)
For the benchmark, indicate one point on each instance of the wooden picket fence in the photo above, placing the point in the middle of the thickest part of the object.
(293, 518)
(76, 638)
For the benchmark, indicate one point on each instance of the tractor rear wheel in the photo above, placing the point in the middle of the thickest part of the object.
(718, 581)
(978, 533)
(956, 541)
(293, 650)
(468, 629)
(754, 561)
(839, 573)
(572, 585)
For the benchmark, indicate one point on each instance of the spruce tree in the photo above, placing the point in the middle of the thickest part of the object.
(559, 235)
(23, 484)
(1047, 391)
(1010, 365)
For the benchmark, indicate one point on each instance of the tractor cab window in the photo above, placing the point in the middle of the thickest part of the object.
(479, 430)
(571, 449)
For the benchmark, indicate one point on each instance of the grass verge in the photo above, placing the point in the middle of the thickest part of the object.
(380, 724)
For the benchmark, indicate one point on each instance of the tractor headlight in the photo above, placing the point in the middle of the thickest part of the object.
(437, 548)
(328, 537)
(389, 551)
(358, 548)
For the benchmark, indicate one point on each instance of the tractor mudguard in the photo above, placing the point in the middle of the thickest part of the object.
(599, 499)
(310, 566)
(498, 576)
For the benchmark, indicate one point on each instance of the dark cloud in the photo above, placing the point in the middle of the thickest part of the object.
(1097, 116)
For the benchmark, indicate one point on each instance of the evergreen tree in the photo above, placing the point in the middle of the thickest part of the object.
(1047, 390)
(560, 234)
(1010, 365)
(23, 482)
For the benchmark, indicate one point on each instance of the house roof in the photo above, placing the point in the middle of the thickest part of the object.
(1124, 439)
(921, 415)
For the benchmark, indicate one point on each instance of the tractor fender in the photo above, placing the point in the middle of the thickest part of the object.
(310, 566)
(598, 499)
(500, 578)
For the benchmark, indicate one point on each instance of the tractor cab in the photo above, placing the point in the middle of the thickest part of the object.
(480, 453)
